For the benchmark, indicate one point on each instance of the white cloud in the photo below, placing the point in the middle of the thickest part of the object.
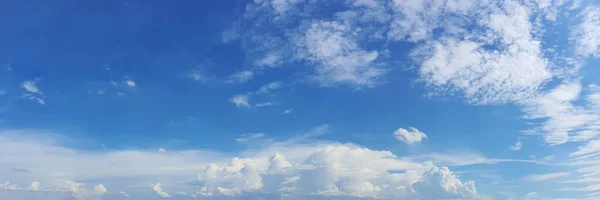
(287, 111)
(339, 57)
(2, 92)
(30, 86)
(161, 150)
(159, 191)
(8, 186)
(586, 36)
(130, 83)
(100, 92)
(290, 168)
(440, 183)
(100, 189)
(269, 87)
(518, 145)
(264, 104)
(34, 186)
(409, 136)
(545, 177)
(249, 136)
(198, 75)
(240, 77)
(123, 194)
(240, 100)
(563, 120)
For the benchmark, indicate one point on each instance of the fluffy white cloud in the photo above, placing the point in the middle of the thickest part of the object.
(240, 100)
(264, 104)
(440, 183)
(586, 36)
(34, 186)
(130, 83)
(288, 168)
(198, 75)
(159, 191)
(409, 136)
(8, 186)
(100, 189)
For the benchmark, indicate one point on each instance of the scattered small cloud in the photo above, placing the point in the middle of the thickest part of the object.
(159, 191)
(288, 111)
(30, 86)
(240, 77)
(130, 83)
(161, 150)
(249, 136)
(240, 101)
(113, 83)
(123, 194)
(2, 92)
(545, 177)
(7, 67)
(35, 186)
(269, 87)
(264, 104)
(518, 145)
(409, 136)
(100, 189)
(100, 92)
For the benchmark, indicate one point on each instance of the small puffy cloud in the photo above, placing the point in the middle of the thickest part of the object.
(409, 136)
(30, 86)
(8, 186)
(100, 189)
(518, 145)
(198, 75)
(100, 92)
(269, 87)
(544, 177)
(240, 77)
(123, 194)
(161, 150)
(2, 92)
(130, 83)
(240, 100)
(287, 111)
(35, 186)
(159, 191)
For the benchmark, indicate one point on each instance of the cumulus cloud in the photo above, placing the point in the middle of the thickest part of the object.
(440, 183)
(100, 189)
(8, 186)
(289, 168)
(159, 191)
(130, 83)
(240, 100)
(34, 186)
(409, 136)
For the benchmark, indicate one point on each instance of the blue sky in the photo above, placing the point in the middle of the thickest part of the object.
(298, 99)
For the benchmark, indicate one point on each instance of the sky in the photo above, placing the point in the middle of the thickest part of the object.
(300, 99)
